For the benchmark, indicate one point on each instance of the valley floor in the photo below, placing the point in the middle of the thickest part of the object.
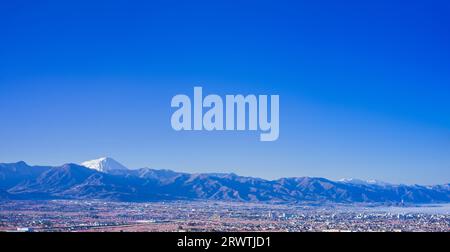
(212, 216)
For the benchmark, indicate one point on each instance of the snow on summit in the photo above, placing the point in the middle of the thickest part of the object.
(363, 182)
(104, 164)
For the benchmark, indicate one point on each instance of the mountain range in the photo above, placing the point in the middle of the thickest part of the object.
(107, 179)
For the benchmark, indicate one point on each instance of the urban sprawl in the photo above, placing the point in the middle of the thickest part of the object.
(193, 216)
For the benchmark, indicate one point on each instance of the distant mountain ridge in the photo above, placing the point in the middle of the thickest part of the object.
(107, 179)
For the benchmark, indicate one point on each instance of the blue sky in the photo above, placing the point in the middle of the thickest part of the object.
(364, 85)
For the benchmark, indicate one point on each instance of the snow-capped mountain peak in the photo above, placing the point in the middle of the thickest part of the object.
(363, 182)
(104, 164)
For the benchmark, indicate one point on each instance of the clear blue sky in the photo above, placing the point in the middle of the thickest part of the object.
(364, 85)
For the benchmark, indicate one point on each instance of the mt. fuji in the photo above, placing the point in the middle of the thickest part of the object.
(104, 165)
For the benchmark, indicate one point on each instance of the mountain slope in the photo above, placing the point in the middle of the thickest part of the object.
(14, 173)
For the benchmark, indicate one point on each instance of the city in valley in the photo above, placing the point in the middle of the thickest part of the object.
(214, 216)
